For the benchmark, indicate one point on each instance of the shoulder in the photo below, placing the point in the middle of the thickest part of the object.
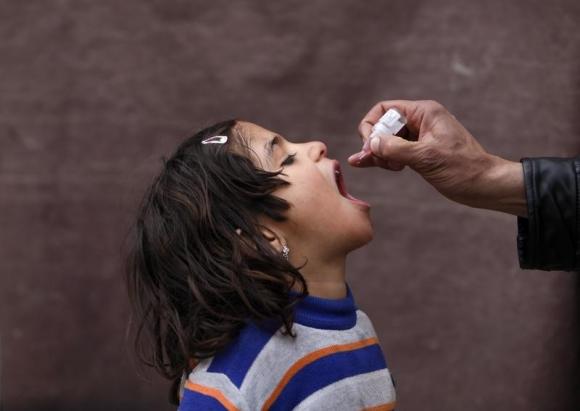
(211, 394)
(214, 384)
(240, 355)
(364, 323)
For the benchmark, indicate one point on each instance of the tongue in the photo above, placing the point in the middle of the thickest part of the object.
(348, 195)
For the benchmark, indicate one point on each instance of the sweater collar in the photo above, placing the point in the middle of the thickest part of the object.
(326, 313)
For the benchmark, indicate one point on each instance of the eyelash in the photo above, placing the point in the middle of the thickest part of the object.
(289, 159)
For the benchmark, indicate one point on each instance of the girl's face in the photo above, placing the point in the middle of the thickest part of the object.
(322, 224)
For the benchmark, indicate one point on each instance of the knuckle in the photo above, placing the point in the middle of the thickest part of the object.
(434, 106)
(381, 148)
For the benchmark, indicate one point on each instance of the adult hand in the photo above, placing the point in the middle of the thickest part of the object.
(445, 154)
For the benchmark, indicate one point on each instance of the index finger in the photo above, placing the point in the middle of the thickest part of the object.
(369, 120)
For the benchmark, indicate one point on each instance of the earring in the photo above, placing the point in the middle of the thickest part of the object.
(285, 251)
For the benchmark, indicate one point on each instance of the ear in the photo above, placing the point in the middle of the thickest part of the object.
(269, 235)
(273, 237)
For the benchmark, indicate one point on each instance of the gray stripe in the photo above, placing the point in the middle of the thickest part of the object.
(353, 393)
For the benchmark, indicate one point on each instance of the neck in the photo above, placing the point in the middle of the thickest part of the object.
(326, 280)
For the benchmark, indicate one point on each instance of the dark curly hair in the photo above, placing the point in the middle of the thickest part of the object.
(193, 281)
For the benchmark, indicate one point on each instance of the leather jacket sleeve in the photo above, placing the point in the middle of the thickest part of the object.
(548, 237)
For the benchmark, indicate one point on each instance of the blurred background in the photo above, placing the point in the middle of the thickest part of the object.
(94, 93)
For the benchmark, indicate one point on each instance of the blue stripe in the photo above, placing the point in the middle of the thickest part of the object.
(328, 370)
(194, 401)
(237, 358)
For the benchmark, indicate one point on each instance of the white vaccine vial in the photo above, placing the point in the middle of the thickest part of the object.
(390, 123)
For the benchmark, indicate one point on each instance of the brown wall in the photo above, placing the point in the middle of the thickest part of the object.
(93, 93)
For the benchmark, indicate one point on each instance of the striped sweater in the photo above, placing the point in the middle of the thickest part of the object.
(334, 363)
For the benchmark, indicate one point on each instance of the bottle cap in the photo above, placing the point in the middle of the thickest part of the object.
(390, 123)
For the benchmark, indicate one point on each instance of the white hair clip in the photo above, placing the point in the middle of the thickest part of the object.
(215, 140)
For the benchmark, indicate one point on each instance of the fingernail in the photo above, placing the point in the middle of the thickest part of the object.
(363, 155)
(354, 156)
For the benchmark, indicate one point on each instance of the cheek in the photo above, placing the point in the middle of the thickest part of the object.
(324, 217)
(317, 206)
(313, 200)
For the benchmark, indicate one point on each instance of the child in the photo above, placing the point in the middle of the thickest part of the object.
(238, 278)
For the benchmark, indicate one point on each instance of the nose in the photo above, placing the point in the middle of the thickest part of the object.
(318, 150)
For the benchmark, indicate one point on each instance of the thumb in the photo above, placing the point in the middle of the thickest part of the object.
(394, 148)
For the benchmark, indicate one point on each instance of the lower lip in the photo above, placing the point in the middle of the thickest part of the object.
(357, 201)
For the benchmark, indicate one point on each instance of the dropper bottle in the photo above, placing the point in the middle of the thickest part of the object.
(390, 123)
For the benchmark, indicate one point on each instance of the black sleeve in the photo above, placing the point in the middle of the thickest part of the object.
(548, 237)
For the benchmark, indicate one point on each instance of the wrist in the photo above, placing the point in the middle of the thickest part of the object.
(503, 187)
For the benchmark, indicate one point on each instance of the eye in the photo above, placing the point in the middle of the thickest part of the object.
(289, 159)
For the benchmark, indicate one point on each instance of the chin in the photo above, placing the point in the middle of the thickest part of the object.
(361, 237)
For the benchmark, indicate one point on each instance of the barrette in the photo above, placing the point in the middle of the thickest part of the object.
(215, 140)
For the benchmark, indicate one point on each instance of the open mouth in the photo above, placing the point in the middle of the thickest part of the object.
(342, 187)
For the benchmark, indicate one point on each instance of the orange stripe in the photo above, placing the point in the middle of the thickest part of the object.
(313, 356)
(212, 392)
(383, 407)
